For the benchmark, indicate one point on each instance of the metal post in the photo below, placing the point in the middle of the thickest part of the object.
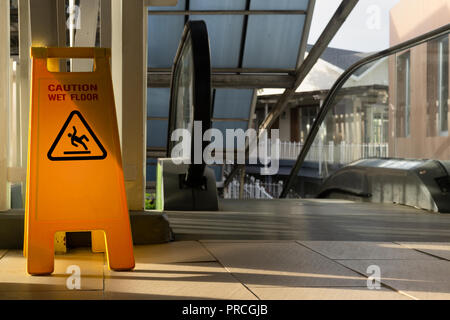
(4, 103)
(241, 183)
(320, 149)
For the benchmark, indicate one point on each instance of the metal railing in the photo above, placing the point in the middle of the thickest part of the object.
(330, 152)
(253, 189)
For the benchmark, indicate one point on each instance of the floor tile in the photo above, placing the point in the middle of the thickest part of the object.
(177, 251)
(13, 275)
(348, 293)
(363, 250)
(422, 279)
(207, 280)
(319, 219)
(246, 241)
(282, 264)
(439, 249)
(52, 295)
(2, 253)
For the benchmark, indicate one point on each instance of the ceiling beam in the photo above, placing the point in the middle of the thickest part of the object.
(233, 70)
(160, 3)
(249, 81)
(227, 12)
(305, 33)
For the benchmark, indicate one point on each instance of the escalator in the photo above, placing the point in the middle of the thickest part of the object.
(184, 182)
(403, 173)
(359, 187)
(391, 147)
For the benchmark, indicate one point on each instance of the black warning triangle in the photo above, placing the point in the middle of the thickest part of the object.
(82, 150)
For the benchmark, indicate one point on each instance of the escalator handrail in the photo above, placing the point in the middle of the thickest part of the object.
(327, 103)
(197, 32)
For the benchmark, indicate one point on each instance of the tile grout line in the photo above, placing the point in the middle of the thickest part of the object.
(231, 273)
(103, 275)
(378, 259)
(4, 254)
(357, 272)
(424, 252)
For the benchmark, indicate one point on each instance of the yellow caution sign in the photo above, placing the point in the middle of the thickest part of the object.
(75, 179)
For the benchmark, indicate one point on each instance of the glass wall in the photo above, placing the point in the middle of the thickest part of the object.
(437, 87)
(398, 108)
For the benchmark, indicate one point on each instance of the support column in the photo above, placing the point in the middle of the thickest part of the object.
(85, 37)
(105, 23)
(4, 103)
(48, 28)
(129, 71)
(24, 83)
(47, 17)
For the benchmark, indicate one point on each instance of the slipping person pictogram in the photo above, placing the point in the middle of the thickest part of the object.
(74, 139)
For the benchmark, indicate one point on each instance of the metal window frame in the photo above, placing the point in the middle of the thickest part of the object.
(239, 77)
(225, 12)
(404, 58)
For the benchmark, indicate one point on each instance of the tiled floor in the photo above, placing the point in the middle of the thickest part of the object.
(439, 249)
(282, 265)
(311, 220)
(290, 249)
(243, 270)
(13, 276)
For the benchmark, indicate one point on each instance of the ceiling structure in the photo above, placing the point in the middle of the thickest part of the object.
(254, 44)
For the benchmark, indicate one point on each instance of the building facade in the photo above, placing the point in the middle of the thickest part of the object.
(419, 82)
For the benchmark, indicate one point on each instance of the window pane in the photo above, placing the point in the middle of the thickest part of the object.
(403, 95)
(443, 86)
(158, 102)
(156, 133)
